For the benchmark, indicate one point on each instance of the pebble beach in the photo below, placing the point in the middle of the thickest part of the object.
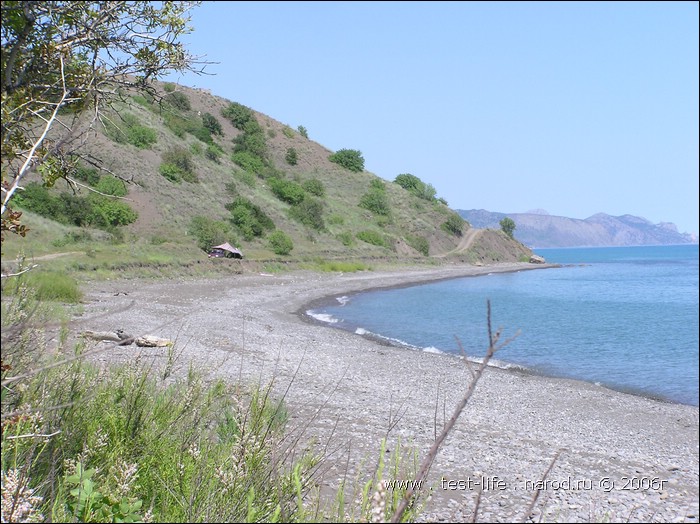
(619, 457)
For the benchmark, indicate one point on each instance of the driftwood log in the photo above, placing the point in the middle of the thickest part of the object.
(124, 339)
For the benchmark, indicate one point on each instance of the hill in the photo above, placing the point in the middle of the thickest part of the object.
(541, 230)
(199, 170)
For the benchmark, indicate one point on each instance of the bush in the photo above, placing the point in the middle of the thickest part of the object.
(454, 224)
(309, 212)
(249, 218)
(281, 244)
(203, 134)
(181, 159)
(171, 172)
(141, 136)
(107, 212)
(314, 186)
(252, 142)
(416, 186)
(372, 237)
(110, 185)
(349, 158)
(303, 132)
(210, 122)
(420, 244)
(49, 285)
(128, 130)
(286, 190)
(169, 87)
(248, 161)
(346, 238)
(213, 153)
(291, 156)
(178, 100)
(287, 131)
(238, 114)
(376, 201)
(209, 232)
(507, 226)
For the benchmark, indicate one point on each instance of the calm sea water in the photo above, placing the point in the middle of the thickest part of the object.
(626, 318)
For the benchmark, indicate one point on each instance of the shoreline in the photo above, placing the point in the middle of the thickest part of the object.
(344, 392)
(302, 313)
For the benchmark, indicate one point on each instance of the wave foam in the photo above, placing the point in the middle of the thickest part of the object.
(322, 317)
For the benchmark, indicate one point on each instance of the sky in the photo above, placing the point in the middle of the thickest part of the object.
(574, 108)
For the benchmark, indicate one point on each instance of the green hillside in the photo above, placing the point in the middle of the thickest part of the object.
(199, 170)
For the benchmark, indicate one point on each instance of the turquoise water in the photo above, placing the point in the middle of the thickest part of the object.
(626, 318)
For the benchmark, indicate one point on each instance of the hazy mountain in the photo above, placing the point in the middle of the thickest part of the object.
(538, 229)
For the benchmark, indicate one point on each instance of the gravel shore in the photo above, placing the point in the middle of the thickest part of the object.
(622, 457)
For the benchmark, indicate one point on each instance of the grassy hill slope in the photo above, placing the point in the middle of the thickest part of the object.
(317, 204)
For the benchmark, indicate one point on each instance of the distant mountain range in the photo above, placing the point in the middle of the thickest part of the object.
(539, 229)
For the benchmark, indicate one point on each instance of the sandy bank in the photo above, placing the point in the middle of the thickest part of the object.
(618, 452)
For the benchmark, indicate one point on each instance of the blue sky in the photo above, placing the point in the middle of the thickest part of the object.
(575, 108)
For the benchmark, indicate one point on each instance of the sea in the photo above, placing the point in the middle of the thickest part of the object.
(625, 318)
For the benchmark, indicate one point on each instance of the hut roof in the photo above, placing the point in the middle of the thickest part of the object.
(228, 247)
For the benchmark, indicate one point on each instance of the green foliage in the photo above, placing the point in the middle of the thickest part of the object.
(209, 232)
(288, 132)
(178, 161)
(314, 186)
(47, 285)
(128, 130)
(454, 224)
(309, 212)
(108, 212)
(303, 132)
(286, 190)
(178, 100)
(171, 172)
(376, 200)
(280, 243)
(252, 141)
(419, 243)
(50, 66)
(213, 153)
(169, 87)
(249, 218)
(349, 158)
(342, 267)
(372, 237)
(238, 114)
(507, 226)
(110, 185)
(89, 175)
(210, 122)
(416, 186)
(346, 238)
(203, 134)
(291, 156)
(249, 162)
(92, 210)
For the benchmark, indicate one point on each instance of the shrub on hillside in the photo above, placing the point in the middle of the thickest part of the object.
(454, 224)
(303, 132)
(314, 186)
(209, 232)
(178, 100)
(248, 161)
(281, 244)
(372, 237)
(238, 114)
(309, 212)
(249, 218)
(291, 157)
(210, 122)
(286, 190)
(349, 158)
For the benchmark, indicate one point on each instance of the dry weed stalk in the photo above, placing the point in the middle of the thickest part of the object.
(494, 346)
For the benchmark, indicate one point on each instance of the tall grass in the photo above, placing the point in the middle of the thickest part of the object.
(132, 443)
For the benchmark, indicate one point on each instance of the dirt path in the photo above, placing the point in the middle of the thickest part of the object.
(465, 243)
